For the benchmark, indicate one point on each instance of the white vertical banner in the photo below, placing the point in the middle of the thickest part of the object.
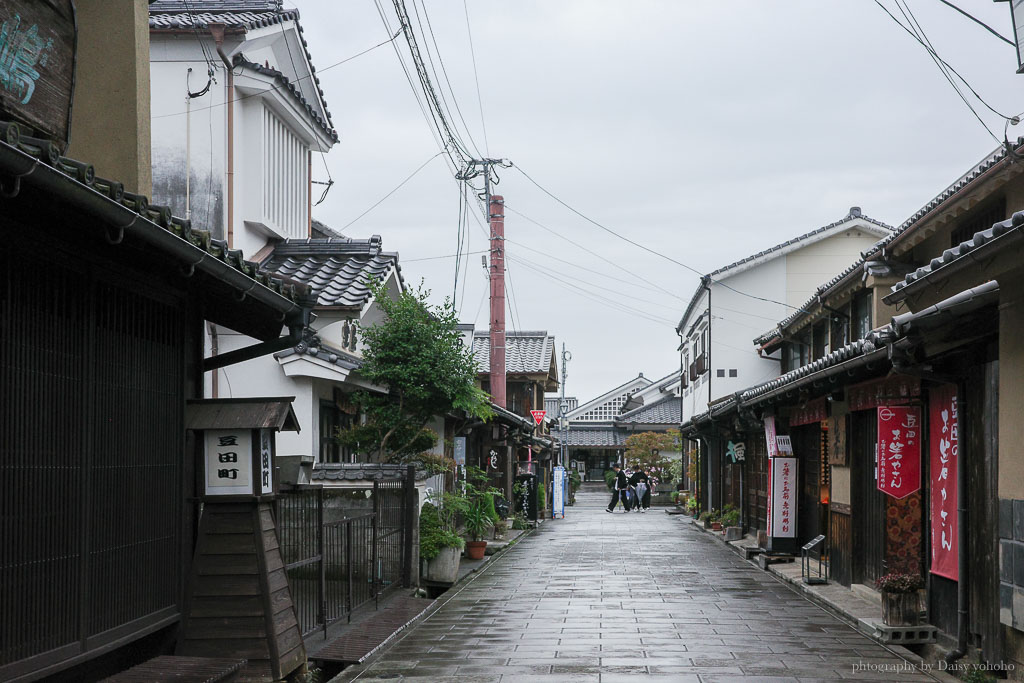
(558, 482)
(783, 499)
(769, 436)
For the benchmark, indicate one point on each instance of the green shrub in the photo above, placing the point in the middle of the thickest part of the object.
(433, 534)
(730, 515)
(542, 496)
(609, 478)
(477, 520)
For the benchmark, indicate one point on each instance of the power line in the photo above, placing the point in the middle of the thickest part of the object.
(476, 77)
(397, 188)
(594, 253)
(277, 87)
(443, 256)
(653, 251)
(980, 23)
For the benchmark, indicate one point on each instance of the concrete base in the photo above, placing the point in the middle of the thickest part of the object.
(903, 635)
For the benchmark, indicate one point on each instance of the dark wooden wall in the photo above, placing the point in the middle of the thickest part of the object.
(93, 374)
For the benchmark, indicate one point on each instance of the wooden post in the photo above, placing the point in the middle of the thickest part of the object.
(408, 519)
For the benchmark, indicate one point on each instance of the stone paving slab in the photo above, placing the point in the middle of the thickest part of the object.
(603, 598)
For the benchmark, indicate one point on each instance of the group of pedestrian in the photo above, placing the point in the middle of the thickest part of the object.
(633, 490)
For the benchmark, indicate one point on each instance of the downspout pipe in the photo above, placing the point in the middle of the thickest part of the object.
(217, 31)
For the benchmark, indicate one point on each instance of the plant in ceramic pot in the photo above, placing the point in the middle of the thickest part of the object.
(440, 546)
(901, 598)
(477, 522)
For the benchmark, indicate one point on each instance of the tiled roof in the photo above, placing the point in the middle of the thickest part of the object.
(594, 436)
(526, 352)
(336, 270)
(325, 230)
(325, 352)
(666, 411)
(32, 157)
(177, 15)
(979, 169)
(955, 254)
(854, 214)
(332, 471)
(240, 60)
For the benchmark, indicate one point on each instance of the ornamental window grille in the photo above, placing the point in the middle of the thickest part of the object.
(285, 178)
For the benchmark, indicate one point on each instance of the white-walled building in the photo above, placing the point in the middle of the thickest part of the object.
(733, 303)
(238, 118)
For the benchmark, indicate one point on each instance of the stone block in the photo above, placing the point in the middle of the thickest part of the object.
(1018, 609)
(1005, 518)
(1006, 561)
(1018, 563)
(1018, 520)
(1006, 604)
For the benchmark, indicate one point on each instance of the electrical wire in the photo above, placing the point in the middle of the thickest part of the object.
(653, 251)
(443, 256)
(276, 87)
(942, 65)
(397, 188)
(476, 77)
(980, 23)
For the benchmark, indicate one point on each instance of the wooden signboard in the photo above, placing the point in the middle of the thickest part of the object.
(837, 441)
(37, 66)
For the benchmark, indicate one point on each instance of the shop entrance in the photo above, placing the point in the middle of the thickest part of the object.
(868, 501)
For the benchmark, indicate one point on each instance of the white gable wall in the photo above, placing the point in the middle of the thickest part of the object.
(817, 263)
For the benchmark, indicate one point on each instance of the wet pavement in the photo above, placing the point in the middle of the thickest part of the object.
(605, 597)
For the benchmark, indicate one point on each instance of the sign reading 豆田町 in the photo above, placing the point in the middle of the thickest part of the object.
(228, 462)
(899, 450)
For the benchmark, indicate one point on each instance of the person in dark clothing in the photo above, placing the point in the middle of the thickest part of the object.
(641, 483)
(619, 489)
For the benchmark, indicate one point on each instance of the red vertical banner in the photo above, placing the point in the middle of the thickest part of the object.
(944, 449)
(899, 450)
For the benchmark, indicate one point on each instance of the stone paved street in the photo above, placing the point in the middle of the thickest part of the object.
(599, 597)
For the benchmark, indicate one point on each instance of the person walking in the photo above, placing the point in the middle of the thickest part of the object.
(641, 483)
(619, 489)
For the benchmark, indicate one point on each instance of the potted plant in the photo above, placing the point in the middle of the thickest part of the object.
(708, 517)
(730, 521)
(691, 506)
(440, 546)
(477, 522)
(901, 599)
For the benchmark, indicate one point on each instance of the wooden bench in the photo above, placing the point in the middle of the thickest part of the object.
(168, 668)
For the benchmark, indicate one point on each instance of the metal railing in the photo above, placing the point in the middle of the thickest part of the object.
(339, 566)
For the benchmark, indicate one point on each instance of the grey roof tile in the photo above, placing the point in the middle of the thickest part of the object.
(335, 269)
(594, 436)
(667, 410)
(325, 352)
(958, 252)
(526, 352)
(363, 472)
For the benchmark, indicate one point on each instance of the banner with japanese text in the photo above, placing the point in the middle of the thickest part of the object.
(899, 450)
(943, 449)
(782, 498)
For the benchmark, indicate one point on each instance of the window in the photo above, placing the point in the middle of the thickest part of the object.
(839, 332)
(720, 372)
(978, 220)
(732, 372)
(331, 420)
(860, 315)
(819, 341)
(285, 178)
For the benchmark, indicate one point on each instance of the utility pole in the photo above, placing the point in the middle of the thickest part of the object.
(563, 424)
(496, 220)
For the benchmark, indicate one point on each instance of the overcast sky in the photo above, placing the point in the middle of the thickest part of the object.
(705, 130)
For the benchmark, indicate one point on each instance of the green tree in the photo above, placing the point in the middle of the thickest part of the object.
(646, 449)
(417, 355)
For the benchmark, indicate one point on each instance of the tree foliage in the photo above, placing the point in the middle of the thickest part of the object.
(640, 453)
(417, 355)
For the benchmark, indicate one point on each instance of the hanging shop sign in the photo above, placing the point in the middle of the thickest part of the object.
(37, 66)
(944, 449)
(837, 440)
(460, 450)
(809, 412)
(769, 436)
(899, 450)
(736, 452)
(896, 389)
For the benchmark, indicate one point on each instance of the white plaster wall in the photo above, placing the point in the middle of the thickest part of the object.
(263, 376)
(171, 57)
(814, 265)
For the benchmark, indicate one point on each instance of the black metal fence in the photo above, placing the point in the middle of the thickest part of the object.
(335, 567)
